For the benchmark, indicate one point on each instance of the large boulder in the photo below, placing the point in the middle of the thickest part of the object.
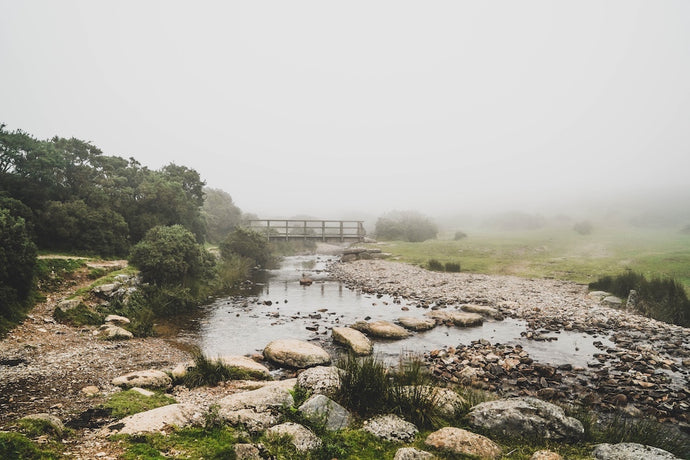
(145, 379)
(253, 369)
(116, 319)
(321, 409)
(417, 324)
(257, 409)
(270, 396)
(296, 353)
(302, 438)
(179, 415)
(323, 380)
(391, 428)
(353, 339)
(111, 332)
(457, 318)
(630, 451)
(484, 310)
(525, 417)
(382, 329)
(457, 441)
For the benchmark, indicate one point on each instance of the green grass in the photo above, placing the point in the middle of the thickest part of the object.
(18, 446)
(558, 253)
(126, 403)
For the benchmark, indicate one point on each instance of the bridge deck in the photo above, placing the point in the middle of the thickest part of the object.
(307, 229)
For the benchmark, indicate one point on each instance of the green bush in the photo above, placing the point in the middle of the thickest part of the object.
(459, 235)
(452, 267)
(170, 256)
(583, 228)
(17, 266)
(661, 299)
(364, 385)
(249, 244)
(17, 446)
(434, 265)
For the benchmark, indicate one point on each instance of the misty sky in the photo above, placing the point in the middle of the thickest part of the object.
(325, 108)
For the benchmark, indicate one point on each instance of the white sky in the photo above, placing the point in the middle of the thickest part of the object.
(323, 107)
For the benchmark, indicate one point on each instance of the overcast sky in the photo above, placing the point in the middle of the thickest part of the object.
(324, 107)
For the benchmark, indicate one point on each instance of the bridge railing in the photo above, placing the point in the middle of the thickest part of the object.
(305, 229)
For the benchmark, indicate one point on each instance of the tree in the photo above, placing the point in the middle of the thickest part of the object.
(406, 226)
(17, 264)
(74, 225)
(221, 214)
(247, 243)
(170, 255)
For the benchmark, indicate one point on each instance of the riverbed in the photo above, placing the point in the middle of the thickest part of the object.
(277, 306)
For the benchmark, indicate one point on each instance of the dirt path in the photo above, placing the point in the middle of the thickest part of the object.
(45, 365)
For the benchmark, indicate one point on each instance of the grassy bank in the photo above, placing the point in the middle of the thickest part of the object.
(558, 253)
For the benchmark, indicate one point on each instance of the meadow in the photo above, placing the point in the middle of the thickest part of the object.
(557, 252)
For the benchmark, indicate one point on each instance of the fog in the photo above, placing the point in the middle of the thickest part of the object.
(347, 109)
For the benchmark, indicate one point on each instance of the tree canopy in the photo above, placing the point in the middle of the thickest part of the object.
(74, 198)
(405, 226)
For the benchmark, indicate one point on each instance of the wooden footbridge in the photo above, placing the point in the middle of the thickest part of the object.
(300, 229)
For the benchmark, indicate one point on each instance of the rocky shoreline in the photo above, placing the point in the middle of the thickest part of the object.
(646, 372)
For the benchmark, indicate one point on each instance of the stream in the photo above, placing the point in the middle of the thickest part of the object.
(276, 306)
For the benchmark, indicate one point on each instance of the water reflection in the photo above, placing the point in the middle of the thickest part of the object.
(279, 307)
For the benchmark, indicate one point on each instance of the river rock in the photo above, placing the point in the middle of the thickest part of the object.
(598, 295)
(630, 451)
(353, 339)
(246, 452)
(410, 453)
(321, 409)
(270, 396)
(296, 353)
(525, 417)
(117, 319)
(546, 455)
(53, 423)
(179, 415)
(462, 442)
(391, 428)
(612, 301)
(112, 332)
(146, 379)
(381, 329)
(417, 324)
(323, 380)
(68, 304)
(302, 438)
(456, 318)
(484, 310)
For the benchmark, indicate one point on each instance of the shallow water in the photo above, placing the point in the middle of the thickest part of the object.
(244, 325)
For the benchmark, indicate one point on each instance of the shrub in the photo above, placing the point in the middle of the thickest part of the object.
(459, 235)
(247, 243)
(452, 267)
(583, 228)
(17, 266)
(171, 256)
(406, 226)
(661, 299)
(435, 265)
(364, 385)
